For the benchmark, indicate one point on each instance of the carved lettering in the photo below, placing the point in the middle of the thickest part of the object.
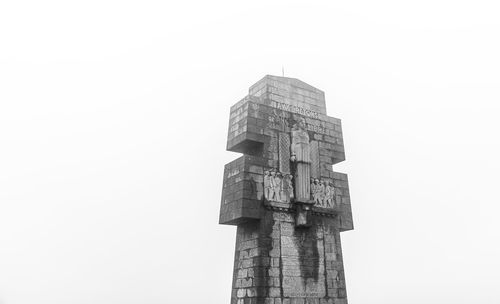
(296, 109)
(317, 129)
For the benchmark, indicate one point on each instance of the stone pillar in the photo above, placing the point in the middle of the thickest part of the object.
(278, 260)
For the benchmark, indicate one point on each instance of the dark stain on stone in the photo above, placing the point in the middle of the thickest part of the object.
(308, 252)
(281, 263)
(262, 263)
(325, 264)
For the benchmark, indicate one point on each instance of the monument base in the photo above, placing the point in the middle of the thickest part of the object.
(279, 263)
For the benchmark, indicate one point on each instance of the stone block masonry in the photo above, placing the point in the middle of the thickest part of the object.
(288, 249)
(275, 262)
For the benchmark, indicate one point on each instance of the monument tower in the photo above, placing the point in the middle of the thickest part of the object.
(288, 204)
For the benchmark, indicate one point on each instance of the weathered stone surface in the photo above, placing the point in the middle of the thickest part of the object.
(284, 152)
(276, 261)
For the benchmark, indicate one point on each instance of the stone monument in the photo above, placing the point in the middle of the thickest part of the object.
(288, 204)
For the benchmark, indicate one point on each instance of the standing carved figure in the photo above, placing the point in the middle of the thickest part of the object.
(278, 184)
(313, 188)
(289, 182)
(321, 193)
(300, 156)
(316, 192)
(267, 185)
(272, 185)
(333, 195)
(282, 188)
(329, 193)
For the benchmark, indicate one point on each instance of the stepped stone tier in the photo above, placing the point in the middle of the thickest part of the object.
(288, 204)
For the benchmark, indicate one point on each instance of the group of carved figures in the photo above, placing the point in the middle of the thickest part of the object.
(277, 186)
(323, 193)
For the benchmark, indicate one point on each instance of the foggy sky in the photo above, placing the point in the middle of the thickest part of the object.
(113, 125)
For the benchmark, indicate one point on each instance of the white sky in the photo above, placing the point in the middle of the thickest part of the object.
(113, 125)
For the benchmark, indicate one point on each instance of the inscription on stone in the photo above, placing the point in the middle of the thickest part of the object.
(296, 109)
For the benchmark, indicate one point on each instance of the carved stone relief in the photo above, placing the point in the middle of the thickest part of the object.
(323, 193)
(278, 120)
(278, 187)
(300, 155)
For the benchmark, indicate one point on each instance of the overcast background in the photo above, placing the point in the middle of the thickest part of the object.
(113, 125)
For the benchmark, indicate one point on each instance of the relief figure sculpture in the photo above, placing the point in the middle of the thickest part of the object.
(277, 185)
(286, 191)
(316, 191)
(272, 186)
(300, 156)
(329, 192)
(282, 188)
(267, 185)
(289, 185)
(323, 193)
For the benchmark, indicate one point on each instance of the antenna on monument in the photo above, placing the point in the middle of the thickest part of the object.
(283, 71)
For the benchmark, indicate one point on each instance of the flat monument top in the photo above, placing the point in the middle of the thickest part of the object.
(289, 91)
